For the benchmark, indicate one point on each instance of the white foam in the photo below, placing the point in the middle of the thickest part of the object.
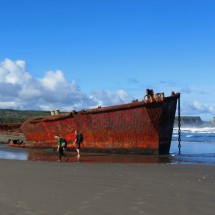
(210, 130)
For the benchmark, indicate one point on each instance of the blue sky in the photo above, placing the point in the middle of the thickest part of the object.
(67, 54)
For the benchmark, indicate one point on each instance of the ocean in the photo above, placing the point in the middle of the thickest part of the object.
(197, 147)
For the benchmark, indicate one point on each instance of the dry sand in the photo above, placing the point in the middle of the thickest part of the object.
(39, 187)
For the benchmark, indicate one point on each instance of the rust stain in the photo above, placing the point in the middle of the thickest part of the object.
(143, 127)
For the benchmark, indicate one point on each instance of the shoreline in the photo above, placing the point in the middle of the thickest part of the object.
(191, 153)
(29, 187)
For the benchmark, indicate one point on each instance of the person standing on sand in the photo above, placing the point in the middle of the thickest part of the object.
(77, 142)
(60, 148)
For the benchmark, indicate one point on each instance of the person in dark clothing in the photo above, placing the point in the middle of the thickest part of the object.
(60, 148)
(77, 142)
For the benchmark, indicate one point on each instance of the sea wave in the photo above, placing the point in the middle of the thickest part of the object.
(195, 134)
(210, 130)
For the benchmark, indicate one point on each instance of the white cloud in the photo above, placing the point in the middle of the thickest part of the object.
(9, 104)
(29, 92)
(104, 98)
(19, 90)
(53, 80)
(197, 108)
(13, 72)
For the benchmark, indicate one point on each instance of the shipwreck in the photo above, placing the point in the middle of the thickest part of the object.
(139, 127)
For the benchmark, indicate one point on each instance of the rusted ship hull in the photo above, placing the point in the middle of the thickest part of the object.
(143, 127)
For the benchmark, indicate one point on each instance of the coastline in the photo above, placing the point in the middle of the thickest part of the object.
(90, 187)
(39, 187)
(191, 153)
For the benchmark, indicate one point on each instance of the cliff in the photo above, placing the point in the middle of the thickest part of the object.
(193, 121)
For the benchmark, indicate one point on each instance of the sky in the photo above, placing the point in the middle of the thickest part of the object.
(80, 54)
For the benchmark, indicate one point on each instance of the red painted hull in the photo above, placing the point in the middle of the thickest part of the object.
(143, 127)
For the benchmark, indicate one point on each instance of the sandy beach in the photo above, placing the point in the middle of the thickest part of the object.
(41, 187)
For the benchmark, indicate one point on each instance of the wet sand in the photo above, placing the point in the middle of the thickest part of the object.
(42, 187)
(94, 185)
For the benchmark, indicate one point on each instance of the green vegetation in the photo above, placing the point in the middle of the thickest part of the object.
(19, 116)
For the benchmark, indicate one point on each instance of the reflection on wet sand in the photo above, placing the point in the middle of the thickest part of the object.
(11, 155)
(203, 156)
(48, 155)
(7, 152)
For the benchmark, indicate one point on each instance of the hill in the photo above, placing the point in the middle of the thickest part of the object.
(19, 116)
(193, 121)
